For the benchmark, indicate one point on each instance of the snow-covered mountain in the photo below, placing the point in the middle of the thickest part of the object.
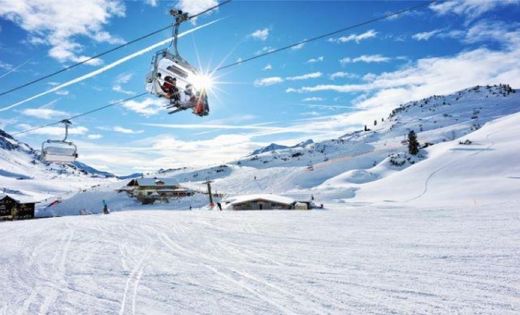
(23, 174)
(360, 165)
(274, 146)
(336, 169)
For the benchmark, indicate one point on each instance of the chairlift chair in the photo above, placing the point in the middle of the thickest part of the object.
(60, 151)
(167, 66)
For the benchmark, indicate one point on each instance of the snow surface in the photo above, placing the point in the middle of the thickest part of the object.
(347, 260)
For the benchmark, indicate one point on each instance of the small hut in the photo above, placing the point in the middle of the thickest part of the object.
(260, 202)
(16, 209)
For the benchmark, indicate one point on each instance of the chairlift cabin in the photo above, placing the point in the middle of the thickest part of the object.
(175, 79)
(60, 151)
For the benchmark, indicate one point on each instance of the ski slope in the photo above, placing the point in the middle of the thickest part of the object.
(349, 259)
(485, 171)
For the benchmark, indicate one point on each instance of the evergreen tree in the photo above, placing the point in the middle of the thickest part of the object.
(375, 122)
(413, 144)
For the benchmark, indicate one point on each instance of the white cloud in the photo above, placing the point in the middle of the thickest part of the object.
(261, 34)
(268, 81)
(470, 9)
(126, 130)
(58, 22)
(264, 50)
(313, 99)
(313, 75)
(147, 107)
(57, 131)
(62, 92)
(426, 35)
(44, 113)
(6, 66)
(268, 67)
(95, 136)
(354, 37)
(120, 81)
(298, 47)
(277, 80)
(366, 59)
(342, 74)
(315, 60)
(196, 6)
(152, 3)
(429, 76)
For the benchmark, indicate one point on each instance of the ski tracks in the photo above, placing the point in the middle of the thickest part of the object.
(430, 177)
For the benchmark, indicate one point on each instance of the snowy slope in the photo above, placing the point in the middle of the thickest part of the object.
(23, 175)
(485, 171)
(350, 260)
(339, 168)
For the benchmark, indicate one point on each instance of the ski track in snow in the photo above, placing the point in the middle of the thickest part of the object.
(430, 177)
(340, 261)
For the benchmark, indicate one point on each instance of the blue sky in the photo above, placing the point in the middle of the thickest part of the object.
(321, 90)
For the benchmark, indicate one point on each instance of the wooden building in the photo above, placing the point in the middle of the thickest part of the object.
(149, 190)
(15, 209)
(260, 202)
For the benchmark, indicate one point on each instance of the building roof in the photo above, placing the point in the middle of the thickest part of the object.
(268, 197)
(153, 181)
(18, 198)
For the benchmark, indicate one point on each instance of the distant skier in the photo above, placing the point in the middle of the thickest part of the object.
(105, 207)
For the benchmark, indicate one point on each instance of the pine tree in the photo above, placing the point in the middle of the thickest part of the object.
(413, 144)
(375, 122)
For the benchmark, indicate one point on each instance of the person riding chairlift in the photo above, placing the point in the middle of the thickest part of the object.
(169, 87)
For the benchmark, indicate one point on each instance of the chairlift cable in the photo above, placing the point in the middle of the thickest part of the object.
(52, 74)
(383, 17)
(97, 109)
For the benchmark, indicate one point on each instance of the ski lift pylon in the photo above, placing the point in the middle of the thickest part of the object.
(60, 151)
(174, 78)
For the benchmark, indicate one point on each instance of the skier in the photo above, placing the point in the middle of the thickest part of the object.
(105, 207)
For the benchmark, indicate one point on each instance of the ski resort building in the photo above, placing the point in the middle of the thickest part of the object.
(260, 202)
(15, 209)
(149, 190)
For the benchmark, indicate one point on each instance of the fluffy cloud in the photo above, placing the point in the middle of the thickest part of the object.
(261, 34)
(58, 22)
(354, 37)
(95, 136)
(313, 99)
(471, 9)
(315, 60)
(194, 6)
(426, 35)
(44, 113)
(313, 75)
(277, 80)
(57, 131)
(366, 59)
(342, 74)
(268, 67)
(268, 81)
(298, 47)
(429, 76)
(129, 131)
(122, 79)
(147, 107)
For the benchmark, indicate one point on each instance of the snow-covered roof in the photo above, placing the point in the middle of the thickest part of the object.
(156, 181)
(20, 199)
(268, 197)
